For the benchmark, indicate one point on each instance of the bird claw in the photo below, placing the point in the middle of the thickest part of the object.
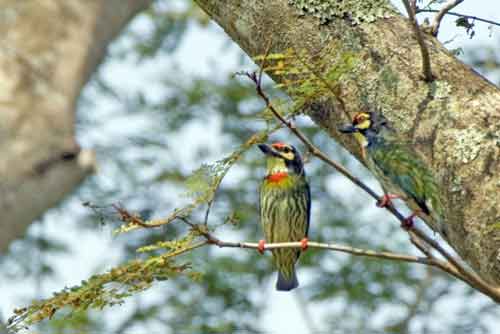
(304, 244)
(386, 200)
(407, 223)
(262, 246)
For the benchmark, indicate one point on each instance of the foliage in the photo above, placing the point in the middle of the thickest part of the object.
(106, 289)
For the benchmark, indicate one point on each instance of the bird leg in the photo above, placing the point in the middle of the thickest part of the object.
(386, 200)
(303, 244)
(262, 246)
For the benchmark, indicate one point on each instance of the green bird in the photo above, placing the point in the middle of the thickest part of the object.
(399, 169)
(285, 206)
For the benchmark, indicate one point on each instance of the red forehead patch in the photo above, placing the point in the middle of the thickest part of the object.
(278, 144)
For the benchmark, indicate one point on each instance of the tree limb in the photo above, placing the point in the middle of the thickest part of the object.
(472, 17)
(436, 21)
(426, 60)
(42, 72)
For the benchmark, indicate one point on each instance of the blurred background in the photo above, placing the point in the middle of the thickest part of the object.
(166, 101)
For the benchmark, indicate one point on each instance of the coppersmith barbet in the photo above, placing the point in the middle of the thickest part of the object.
(285, 205)
(397, 167)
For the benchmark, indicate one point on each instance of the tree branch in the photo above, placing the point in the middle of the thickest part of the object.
(472, 17)
(39, 151)
(332, 247)
(426, 60)
(436, 22)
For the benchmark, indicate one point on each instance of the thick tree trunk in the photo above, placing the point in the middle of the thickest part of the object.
(454, 121)
(49, 50)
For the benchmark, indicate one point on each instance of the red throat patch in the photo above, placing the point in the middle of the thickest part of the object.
(277, 177)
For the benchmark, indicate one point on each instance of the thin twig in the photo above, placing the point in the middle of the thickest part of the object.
(472, 17)
(187, 249)
(207, 212)
(331, 247)
(436, 22)
(134, 219)
(426, 60)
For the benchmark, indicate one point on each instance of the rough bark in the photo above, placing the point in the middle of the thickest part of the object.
(454, 121)
(49, 50)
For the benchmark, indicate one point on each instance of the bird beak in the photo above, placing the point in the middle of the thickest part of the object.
(268, 150)
(348, 128)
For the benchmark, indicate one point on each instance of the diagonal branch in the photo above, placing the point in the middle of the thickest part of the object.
(436, 22)
(426, 60)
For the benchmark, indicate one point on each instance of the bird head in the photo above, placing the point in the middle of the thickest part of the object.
(365, 127)
(282, 158)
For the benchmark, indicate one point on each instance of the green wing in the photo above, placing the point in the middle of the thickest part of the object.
(405, 169)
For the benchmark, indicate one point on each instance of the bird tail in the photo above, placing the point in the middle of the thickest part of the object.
(285, 283)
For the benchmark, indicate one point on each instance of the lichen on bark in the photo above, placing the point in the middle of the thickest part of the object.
(357, 11)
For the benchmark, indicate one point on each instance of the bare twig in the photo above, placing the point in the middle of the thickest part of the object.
(329, 246)
(436, 22)
(134, 219)
(431, 261)
(472, 17)
(426, 60)
(207, 212)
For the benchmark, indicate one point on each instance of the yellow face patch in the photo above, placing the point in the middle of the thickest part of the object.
(364, 125)
(362, 121)
(288, 156)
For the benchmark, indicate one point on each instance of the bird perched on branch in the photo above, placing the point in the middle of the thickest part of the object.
(396, 167)
(285, 205)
